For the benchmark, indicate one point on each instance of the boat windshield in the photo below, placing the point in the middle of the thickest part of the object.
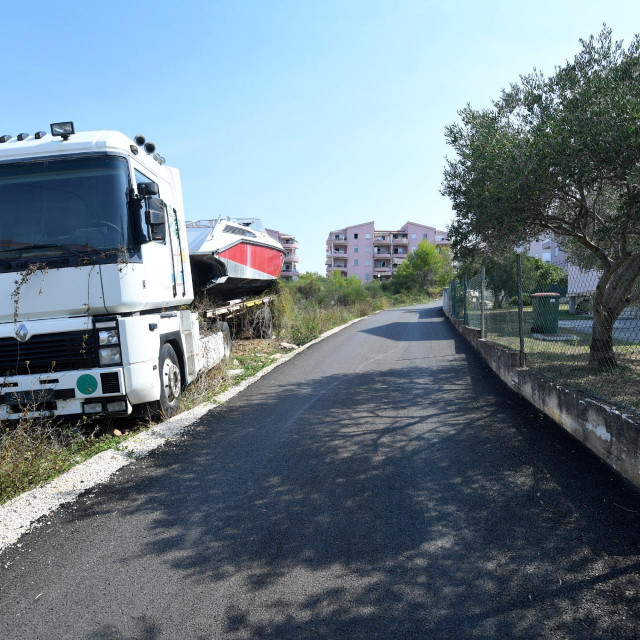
(64, 205)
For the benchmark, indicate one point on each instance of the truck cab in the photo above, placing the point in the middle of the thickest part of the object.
(94, 276)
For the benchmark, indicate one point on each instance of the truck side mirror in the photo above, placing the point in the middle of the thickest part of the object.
(156, 218)
(147, 189)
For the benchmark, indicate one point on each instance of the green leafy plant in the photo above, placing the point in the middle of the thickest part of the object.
(561, 155)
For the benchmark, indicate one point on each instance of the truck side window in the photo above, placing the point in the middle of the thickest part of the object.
(143, 227)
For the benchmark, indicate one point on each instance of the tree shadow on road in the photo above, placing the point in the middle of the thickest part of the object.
(417, 502)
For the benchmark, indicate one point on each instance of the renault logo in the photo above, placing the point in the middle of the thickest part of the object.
(22, 333)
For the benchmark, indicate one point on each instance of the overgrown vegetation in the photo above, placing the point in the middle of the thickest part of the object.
(313, 304)
(35, 450)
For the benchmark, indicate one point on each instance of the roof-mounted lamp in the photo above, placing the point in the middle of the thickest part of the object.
(62, 129)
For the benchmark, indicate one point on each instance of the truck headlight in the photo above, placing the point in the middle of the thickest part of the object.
(110, 355)
(108, 336)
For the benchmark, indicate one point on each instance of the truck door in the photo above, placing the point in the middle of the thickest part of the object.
(161, 282)
(177, 251)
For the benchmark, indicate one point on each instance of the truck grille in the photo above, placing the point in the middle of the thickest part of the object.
(110, 382)
(48, 352)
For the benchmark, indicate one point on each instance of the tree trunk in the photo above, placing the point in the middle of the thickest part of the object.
(601, 354)
(612, 296)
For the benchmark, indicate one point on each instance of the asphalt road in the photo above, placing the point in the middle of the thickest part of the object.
(382, 484)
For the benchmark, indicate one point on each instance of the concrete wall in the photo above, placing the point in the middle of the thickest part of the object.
(611, 434)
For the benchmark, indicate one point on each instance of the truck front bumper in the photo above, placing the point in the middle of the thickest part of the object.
(64, 393)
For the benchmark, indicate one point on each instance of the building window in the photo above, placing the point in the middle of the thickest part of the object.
(355, 236)
(367, 276)
(425, 236)
(413, 248)
(367, 263)
(413, 236)
(367, 235)
(556, 250)
(355, 249)
(355, 262)
(367, 249)
(546, 256)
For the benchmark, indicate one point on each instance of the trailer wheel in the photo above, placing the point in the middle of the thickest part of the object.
(226, 340)
(170, 380)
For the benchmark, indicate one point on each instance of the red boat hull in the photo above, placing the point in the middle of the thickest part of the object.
(257, 258)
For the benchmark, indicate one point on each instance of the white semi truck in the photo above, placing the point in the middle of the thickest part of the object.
(95, 278)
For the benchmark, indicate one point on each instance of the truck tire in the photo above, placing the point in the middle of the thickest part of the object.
(170, 380)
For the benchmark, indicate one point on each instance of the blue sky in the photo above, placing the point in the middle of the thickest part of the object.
(308, 114)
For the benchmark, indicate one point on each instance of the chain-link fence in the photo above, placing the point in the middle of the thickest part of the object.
(563, 327)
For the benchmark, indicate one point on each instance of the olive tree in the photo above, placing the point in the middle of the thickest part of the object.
(561, 155)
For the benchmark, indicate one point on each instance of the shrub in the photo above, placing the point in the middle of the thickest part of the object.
(526, 300)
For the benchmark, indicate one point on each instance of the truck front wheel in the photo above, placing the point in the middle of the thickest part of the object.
(170, 381)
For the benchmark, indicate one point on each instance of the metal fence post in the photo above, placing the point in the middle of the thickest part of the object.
(520, 310)
(482, 305)
(465, 318)
(454, 298)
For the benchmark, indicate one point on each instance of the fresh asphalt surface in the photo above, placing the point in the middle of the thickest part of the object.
(382, 484)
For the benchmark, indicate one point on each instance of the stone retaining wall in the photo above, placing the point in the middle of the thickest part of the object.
(606, 430)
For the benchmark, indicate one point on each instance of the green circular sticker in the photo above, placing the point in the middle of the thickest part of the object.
(87, 384)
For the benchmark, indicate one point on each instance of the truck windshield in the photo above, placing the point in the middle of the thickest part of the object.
(77, 204)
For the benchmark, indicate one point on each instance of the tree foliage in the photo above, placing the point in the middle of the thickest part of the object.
(502, 275)
(425, 269)
(559, 154)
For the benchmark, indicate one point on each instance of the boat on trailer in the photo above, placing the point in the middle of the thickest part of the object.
(233, 257)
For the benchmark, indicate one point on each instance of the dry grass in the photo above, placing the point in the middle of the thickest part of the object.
(35, 450)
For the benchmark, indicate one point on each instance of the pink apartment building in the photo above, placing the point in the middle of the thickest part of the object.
(290, 245)
(370, 254)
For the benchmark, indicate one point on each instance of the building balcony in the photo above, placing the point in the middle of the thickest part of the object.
(289, 274)
(382, 240)
(290, 259)
(402, 240)
(381, 270)
(338, 253)
(383, 253)
(338, 237)
(290, 243)
(342, 270)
